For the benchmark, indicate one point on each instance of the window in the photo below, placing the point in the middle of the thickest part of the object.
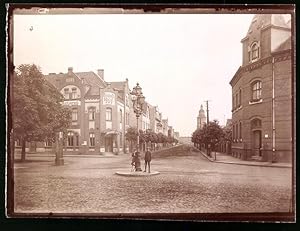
(256, 91)
(240, 130)
(240, 97)
(121, 116)
(74, 114)
(92, 113)
(108, 114)
(236, 131)
(70, 139)
(48, 143)
(233, 102)
(92, 139)
(236, 100)
(74, 91)
(66, 93)
(255, 51)
(233, 132)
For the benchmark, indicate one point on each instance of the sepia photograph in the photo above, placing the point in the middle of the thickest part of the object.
(181, 113)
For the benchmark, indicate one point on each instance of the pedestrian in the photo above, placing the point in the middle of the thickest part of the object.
(133, 160)
(147, 159)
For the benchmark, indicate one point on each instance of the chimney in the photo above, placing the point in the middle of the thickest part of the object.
(70, 70)
(100, 72)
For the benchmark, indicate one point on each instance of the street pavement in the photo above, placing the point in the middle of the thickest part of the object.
(228, 159)
(188, 183)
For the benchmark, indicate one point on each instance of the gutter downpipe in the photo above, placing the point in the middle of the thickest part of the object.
(273, 111)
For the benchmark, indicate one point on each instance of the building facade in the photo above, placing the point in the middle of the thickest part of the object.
(262, 92)
(100, 111)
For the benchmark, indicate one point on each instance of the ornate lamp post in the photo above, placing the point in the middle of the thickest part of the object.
(138, 101)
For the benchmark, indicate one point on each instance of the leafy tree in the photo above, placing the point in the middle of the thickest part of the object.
(37, 112)
(131, 136)
(209, 134)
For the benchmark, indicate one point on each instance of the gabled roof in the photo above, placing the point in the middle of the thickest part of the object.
(93, 80)
(118, 85)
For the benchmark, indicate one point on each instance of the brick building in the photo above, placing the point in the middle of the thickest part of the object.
(100, 111)
(262, 92)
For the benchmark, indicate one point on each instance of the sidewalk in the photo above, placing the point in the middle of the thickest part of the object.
(228, 159)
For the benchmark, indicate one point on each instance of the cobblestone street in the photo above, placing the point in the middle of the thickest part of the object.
(186, 184)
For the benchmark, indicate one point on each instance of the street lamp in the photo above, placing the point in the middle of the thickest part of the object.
(138, 101)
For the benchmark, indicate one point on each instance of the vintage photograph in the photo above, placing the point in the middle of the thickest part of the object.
(185, 113)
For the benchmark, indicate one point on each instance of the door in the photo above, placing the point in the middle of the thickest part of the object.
(257, 143)
(108, 144)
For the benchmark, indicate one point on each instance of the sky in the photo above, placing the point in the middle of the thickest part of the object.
(179, 60)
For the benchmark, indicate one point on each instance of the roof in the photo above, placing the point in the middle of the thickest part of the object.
(118, 85)
(93, 80)
(287, 44)
(266, 20)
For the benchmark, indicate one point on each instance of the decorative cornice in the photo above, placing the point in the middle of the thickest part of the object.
(278, 57)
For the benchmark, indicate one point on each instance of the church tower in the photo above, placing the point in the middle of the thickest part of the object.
(201, 119)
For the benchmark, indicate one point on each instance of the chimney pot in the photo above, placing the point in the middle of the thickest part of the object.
(70, 70)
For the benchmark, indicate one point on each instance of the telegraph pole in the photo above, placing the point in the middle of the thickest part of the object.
(207, 121)
(207, 112)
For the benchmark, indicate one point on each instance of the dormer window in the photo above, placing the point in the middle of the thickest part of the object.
(254, 52)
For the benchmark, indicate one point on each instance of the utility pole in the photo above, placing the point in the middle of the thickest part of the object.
(207, 122)
(207, 112)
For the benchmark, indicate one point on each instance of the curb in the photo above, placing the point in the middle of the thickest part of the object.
(246, 164)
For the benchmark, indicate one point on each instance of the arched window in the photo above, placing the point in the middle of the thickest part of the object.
(256, 90)
(254, 51)
(92, 113)
(255, 124)
(108, 115)
(66, 93)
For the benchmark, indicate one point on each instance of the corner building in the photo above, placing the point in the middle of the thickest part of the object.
(262, 92)
(100, 111)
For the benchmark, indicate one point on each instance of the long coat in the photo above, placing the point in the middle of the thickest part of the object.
(148, 156)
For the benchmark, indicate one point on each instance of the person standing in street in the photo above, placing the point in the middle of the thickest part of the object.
(147, 159)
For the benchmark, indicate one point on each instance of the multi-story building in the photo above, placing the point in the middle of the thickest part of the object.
(100, 111)
(176, 135)
(201, 118)
(262, 92)
(165, 127)
(155, 120)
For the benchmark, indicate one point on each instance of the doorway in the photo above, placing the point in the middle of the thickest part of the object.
(256, 143)
(108, 144)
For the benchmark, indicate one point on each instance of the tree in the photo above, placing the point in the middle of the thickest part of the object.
(37, 111)
(210, 134)
(131, 135)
